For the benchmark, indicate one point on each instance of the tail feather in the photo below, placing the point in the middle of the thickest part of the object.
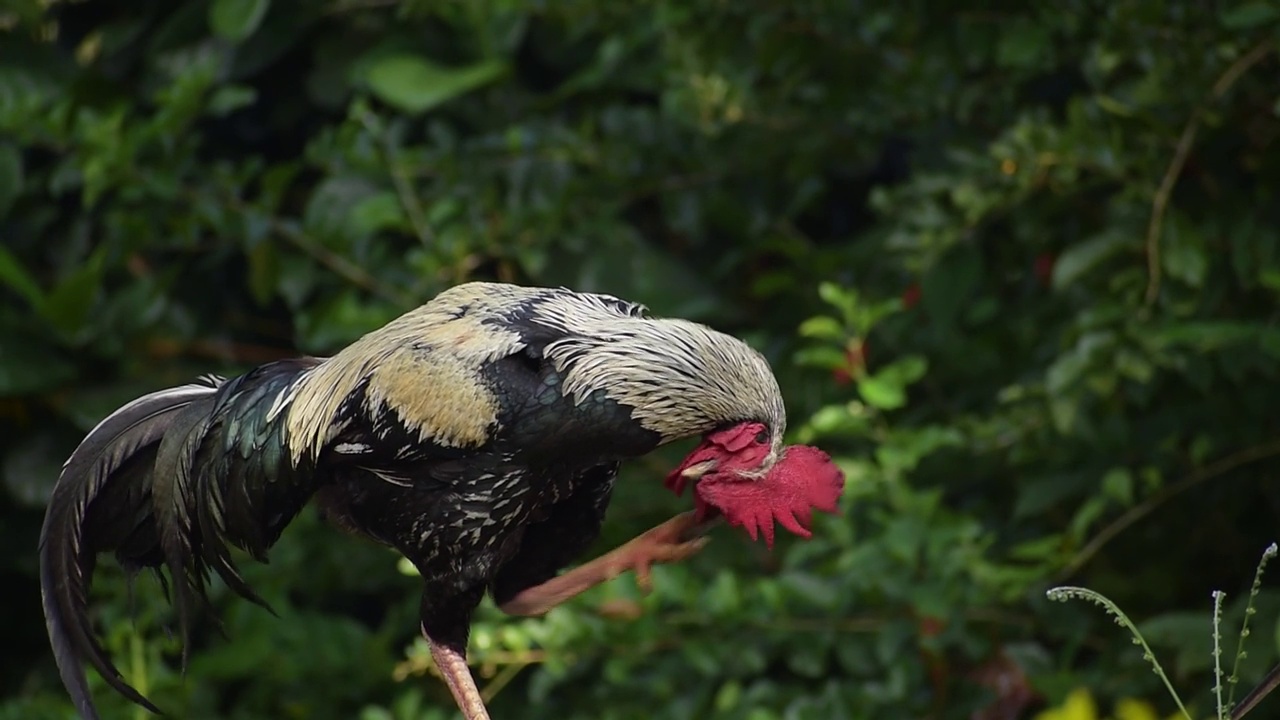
(172, 490)
(172, 480)
(105, 465)
(193, 532)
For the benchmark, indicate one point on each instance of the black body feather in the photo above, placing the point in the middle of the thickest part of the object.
(470, 435)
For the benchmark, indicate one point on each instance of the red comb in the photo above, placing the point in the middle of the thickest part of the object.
(803, 480)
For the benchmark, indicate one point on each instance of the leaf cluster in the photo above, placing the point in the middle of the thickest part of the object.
(1016, 267)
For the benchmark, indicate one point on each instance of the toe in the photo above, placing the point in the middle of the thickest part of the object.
(644, 576)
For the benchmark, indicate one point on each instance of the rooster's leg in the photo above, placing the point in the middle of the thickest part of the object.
(452, 664)
(666, 543)
(446, 624)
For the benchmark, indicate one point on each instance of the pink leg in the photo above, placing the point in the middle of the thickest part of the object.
(453, 666)
(666, 543)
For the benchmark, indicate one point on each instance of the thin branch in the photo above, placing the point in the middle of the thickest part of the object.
(488, 665)
(1239, 67)
(1160, 203)
(336, 263)
(1146, 507)
(220, 350)
(399, 178)
(500, 681)
(843, 626)
(1255, 696)
(674, 183)
(338, 8)
(341, 266)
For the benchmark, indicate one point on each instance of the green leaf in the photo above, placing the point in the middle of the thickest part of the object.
(1209, 334)
(329, 213)
(947, 288)
(416, 85)
(840, 420)
(236, 20)
(878, 392)
(1249, 15)
(728, 697)
(1042, 494)
(905, 371)
(1270, 343)
(833, 294)
(1183, 255)
(1079, 259)
(229, 98)
(822, 327)
(27, 367)
(622, 263)
(1118, 485)
(1270, 279)
(823, 356)
(1023, 45)
(865, 317)
(927, 440)
(67, 306)
(339, 320)
(376, 212)
(264, 271)
(29, 471)
(443, 211)
(1038, 550)
(10, 177)
(1065, 411)
(1184, 632)
(16, 277)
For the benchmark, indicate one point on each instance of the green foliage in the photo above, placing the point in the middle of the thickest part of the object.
(1223, 709)
(1017, 270)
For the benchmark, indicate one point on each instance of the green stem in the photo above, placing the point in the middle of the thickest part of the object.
(138, 671)
(1064, 593)
(1249, 612)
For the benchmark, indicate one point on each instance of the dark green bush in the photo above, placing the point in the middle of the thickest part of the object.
(1017, 268)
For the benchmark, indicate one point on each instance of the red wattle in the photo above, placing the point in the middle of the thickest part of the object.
(802, 481)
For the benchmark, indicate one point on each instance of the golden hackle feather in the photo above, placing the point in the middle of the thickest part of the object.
(681, 377)
(439, 346)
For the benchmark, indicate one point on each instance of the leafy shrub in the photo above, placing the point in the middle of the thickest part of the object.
(1016, 268)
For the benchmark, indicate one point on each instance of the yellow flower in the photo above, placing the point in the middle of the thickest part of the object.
(1079, 705)
(1130, 709)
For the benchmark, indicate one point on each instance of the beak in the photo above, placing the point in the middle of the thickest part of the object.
(697, 470)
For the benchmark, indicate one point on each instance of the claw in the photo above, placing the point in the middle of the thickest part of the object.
(666, 543)
(672, 541)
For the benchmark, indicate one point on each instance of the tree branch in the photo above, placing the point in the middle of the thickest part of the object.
(1146, 507)
(1160, 203)
(399, 178)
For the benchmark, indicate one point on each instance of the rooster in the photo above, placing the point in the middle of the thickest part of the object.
(478, 435)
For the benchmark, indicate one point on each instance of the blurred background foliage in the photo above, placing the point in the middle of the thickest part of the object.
(1017, 268)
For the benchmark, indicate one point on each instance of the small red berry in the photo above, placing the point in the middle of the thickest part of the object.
(931, 626)
(1043, 268)
(911, 296)
(855, 358)
(856, 354)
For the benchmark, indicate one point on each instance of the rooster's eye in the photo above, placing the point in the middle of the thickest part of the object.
(762, 437)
